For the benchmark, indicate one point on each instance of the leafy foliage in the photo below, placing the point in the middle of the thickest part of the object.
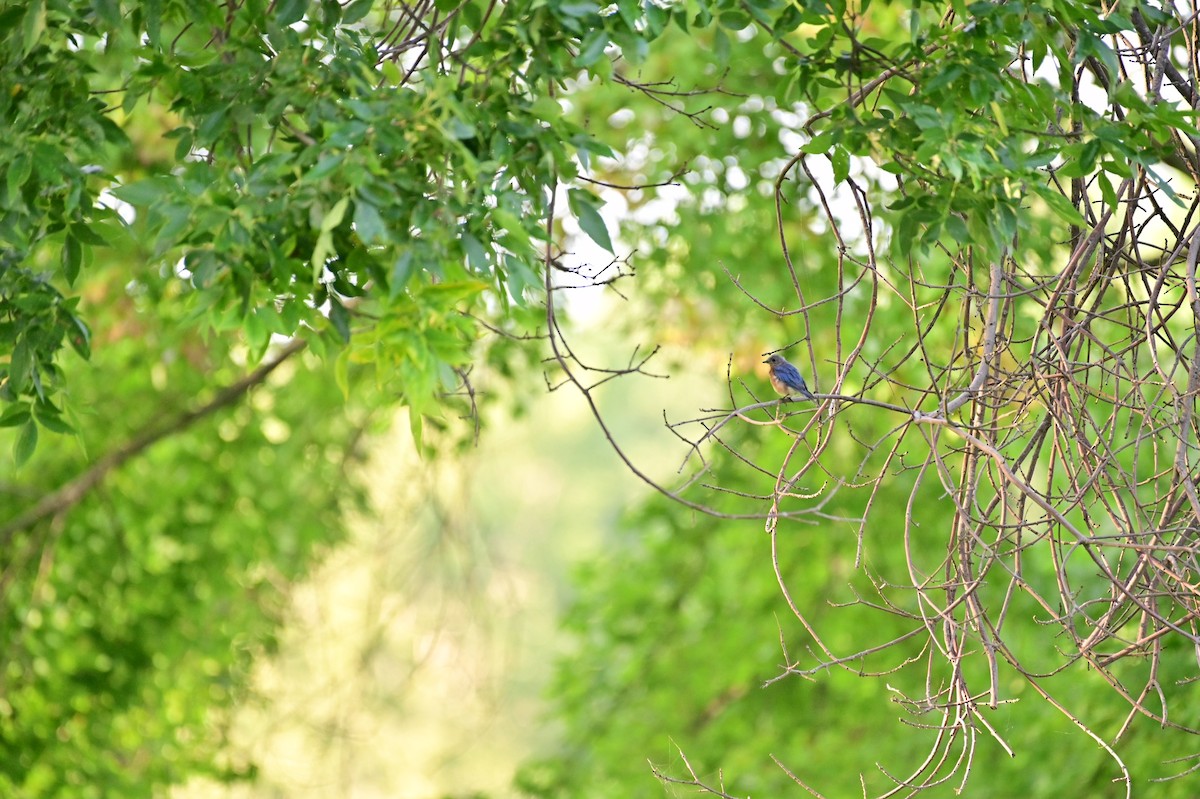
(975, 220)
(187, 187)
(308, 167)
(130, 620)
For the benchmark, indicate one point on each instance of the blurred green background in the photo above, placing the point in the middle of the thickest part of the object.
(410, 561)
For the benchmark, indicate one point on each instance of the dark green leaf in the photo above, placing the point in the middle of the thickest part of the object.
(340, 318)
(80, 337)
(402, 271)
(584, 206)
(50, 418)
(957, 229)
(356, 11)
(14, 415)
(290, 11)
(152, 11)
(72, 257)
(20, 365)
(87, 235)
(26, 442)
(476, 254)
(109, 11)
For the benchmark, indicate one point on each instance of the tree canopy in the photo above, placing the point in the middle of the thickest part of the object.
(235, 236)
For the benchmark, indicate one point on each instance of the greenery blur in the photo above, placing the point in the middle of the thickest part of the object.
(190, 186)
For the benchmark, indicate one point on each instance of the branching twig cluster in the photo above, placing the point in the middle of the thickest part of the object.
(1058, 420)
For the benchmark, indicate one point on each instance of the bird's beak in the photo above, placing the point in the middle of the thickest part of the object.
(768, 360)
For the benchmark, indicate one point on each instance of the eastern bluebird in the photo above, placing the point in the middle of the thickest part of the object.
(786, 379)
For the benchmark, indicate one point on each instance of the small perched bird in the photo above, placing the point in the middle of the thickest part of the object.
(786, 379)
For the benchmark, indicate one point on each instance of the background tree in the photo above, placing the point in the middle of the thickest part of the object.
(983, 218)
(972, 225)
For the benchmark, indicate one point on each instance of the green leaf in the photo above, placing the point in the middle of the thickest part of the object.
(32, 26)
(820, 143)
(415, 426)
(546, 109)
(80, 337)
(19, 171)
(520, 277)
(462, 130)
(50, 418)
(340, 317)
(402, 271)
(577, 8)
(72, 257)
(583, 205)
(26, 442)
(841, 164)
(20, 364)
(87, 235)
(335, 216)
(446, 296)
(324, 244)
(368, 223)
(1164, 186)
(288, 12)
(957, 229)
(356, 11)
(321, 252)
(14, 415)
(592, 48)
(153, 16)
(515, 234)
(1005, 227)
(721, 46)
(1107, 191)
(341, 373)
(325, 165)
(1061, 206)
(476, 254)
(144, 192)
(109, 11)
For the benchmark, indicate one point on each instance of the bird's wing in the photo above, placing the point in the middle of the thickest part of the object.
(790, 375)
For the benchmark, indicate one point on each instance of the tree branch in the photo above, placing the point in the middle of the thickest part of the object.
(74, 491)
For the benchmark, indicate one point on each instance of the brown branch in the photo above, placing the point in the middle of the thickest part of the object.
(70, 494)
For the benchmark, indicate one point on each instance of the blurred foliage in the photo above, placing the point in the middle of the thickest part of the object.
(130, 620)
(187, 186)
(190, 184)
(681, 639)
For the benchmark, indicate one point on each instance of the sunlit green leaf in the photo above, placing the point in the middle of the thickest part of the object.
(145, 192)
